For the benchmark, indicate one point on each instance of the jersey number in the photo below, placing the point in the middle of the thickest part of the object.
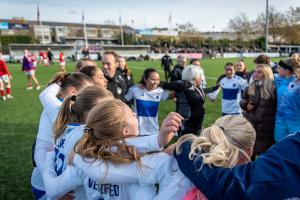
(59, 162)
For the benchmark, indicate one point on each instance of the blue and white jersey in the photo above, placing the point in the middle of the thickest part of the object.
(289, 106)
(231, 96)
(44, 141)
(281, 84)
(65, 144)
(140, 182)
(111, 184)
(146, 105)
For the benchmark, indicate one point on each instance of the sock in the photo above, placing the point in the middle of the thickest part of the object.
(7, 90)
(2, 93)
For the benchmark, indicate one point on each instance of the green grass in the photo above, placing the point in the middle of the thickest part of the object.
(19, 121)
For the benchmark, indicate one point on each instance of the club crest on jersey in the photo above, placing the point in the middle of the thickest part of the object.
(119, 90)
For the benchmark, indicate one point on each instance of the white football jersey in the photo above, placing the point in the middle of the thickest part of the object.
(146, 105)
(231, 94)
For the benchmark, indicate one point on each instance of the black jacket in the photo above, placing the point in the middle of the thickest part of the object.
(117, 86)
(262, 117)
(176, 73)
(166, 61)
(128, 79)
(189, 103)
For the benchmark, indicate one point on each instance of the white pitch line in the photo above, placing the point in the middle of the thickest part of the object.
(207, 77)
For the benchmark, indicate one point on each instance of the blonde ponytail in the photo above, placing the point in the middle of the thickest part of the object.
(223, 143)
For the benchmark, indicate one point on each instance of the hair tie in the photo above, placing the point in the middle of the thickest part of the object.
(89, 130)
(73, 98)
(285, 66)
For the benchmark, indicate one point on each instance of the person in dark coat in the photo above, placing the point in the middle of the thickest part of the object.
(274, 175)
(50, 56)
(190, 98)
(166, 63)
(115, 81)
(259, 107)
(126, 72)
(177, 70)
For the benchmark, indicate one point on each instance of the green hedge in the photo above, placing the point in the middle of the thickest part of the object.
(5, 40)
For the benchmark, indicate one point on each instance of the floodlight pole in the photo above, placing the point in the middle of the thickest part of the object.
(84, 30)
(267, 26)
(121, 29)
(41, 24)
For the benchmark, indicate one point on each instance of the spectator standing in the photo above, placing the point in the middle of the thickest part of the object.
(176, 73)
(50, 56)
(259, 107)
(166, 63)
(125, 71)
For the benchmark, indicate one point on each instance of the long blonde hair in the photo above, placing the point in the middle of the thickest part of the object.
(74, 108)
(268, 87)
(224, 143)
(103, 135)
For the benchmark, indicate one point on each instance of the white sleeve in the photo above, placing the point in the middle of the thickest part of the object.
(157, 167)
(244, 84)
(102, 173)
(40, 152)
(203, 78)
(57, 186)
(174, 185)
(130, 94)
(48, 98)
(165, 95)
(145, 144)
(213, 95)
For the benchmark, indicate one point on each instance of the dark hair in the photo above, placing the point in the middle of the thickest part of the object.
(75, 79)
(290, 64)
(262, 59)
(81, 63)
(146, 74)
(58, 77)
(193, 60)
(229, 64)
(89, 70)
(74, 107)
(110, 52)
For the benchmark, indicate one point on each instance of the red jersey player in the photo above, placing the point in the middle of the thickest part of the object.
(5, 77)
(62, 62)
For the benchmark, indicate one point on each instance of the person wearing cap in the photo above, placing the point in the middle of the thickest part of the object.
(288, 98)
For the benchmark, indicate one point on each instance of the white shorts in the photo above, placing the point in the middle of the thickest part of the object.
(45, 61)
(30, 73)
(62, 64)
(34, 63)
(4, 78)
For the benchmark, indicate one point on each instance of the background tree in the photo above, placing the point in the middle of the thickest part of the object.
(241, 25)
(186, 27)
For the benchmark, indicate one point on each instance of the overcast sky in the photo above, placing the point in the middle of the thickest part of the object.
(206, 15)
